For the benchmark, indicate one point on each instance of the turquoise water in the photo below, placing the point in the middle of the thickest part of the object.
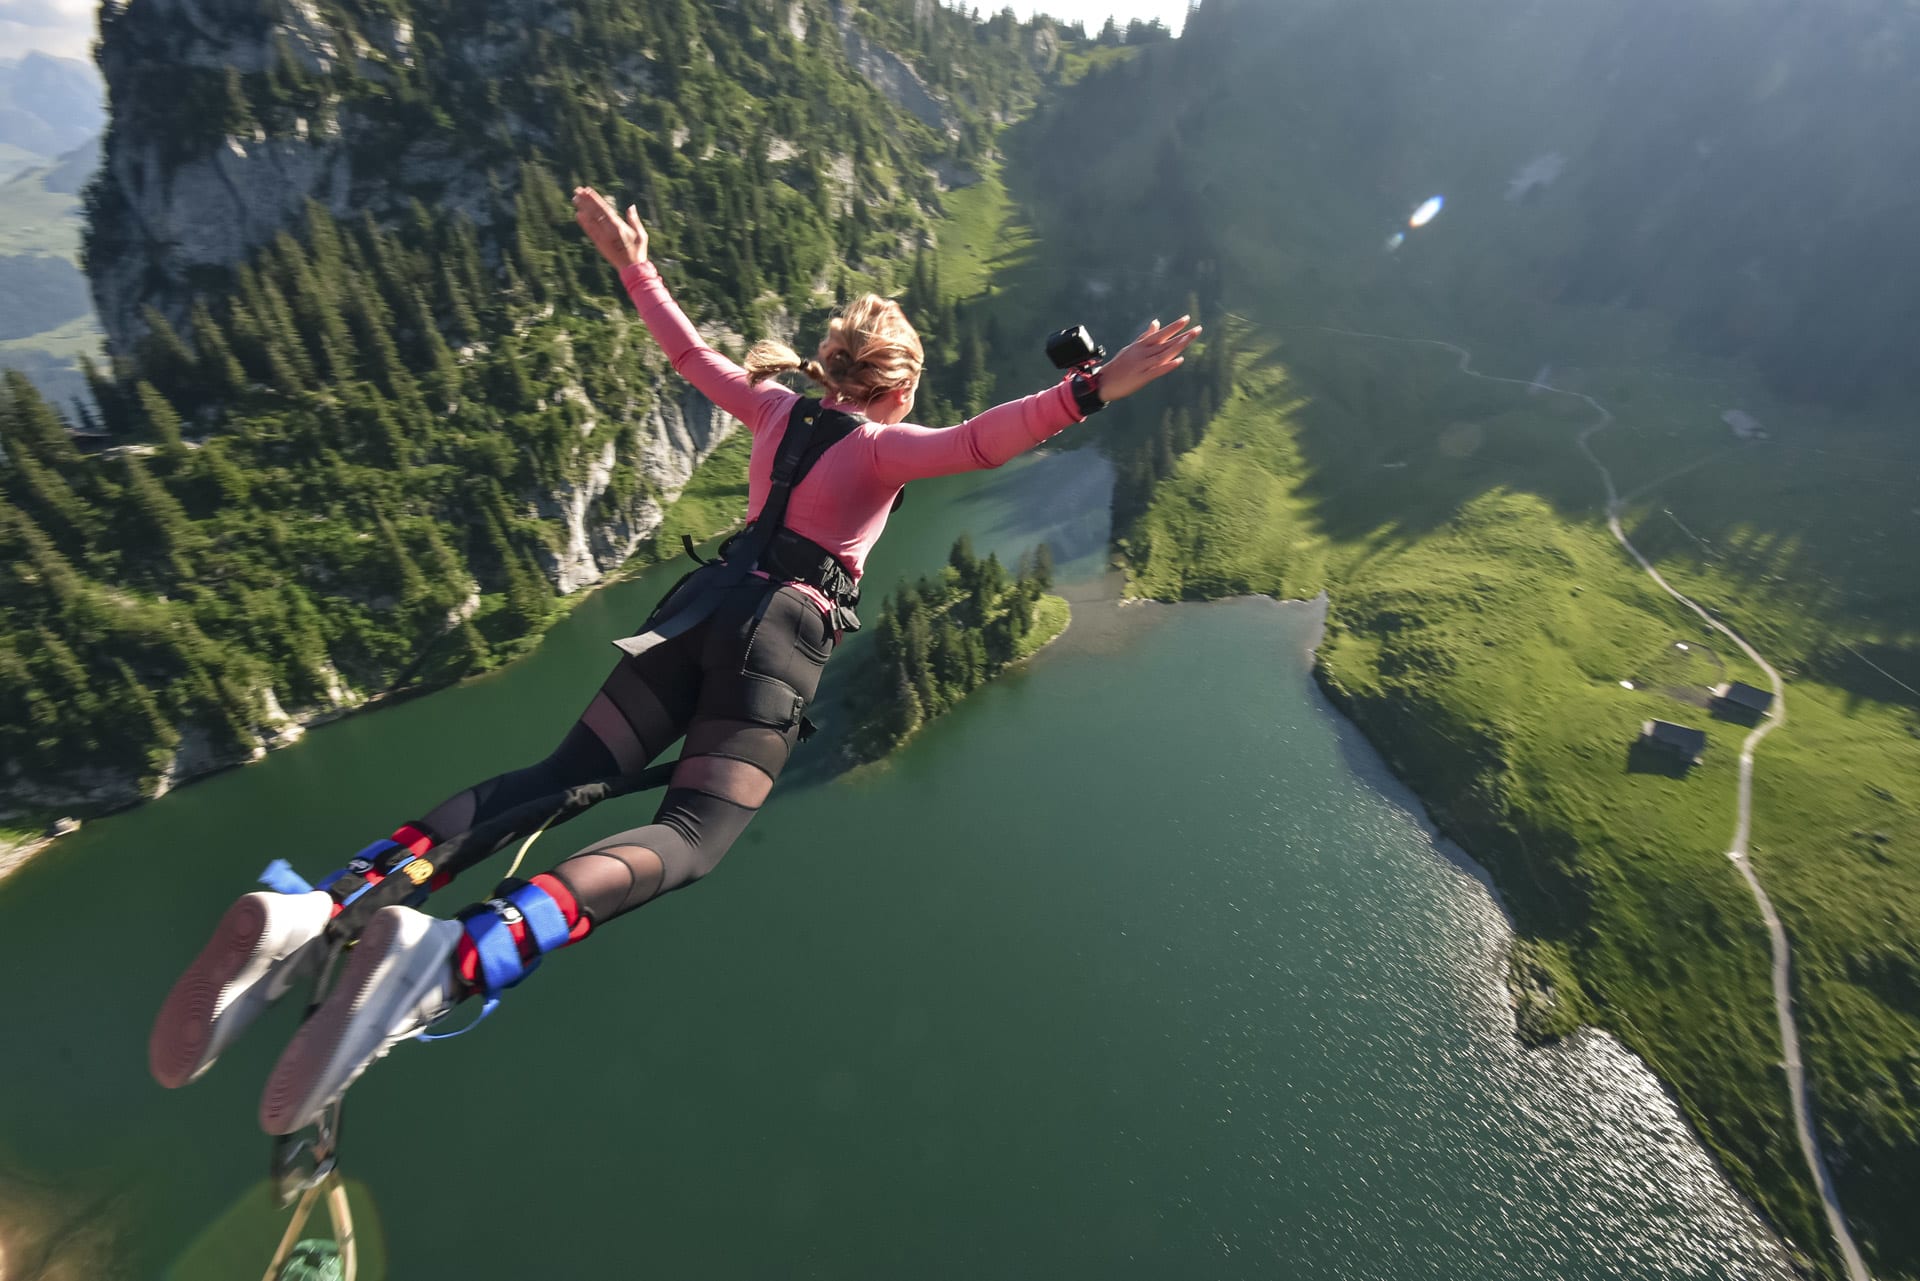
(1137, 965)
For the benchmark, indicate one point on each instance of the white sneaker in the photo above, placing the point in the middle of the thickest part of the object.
(263, 944)
(398, 979)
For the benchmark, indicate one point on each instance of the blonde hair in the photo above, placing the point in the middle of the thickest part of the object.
(870, 349)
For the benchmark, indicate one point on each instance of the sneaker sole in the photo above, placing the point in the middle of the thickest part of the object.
(295, 1092)
(184, 1028)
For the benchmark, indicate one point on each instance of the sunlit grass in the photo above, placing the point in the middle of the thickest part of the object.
(34, 220)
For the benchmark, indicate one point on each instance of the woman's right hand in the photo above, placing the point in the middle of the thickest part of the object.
(1154, 354)
(622, 242)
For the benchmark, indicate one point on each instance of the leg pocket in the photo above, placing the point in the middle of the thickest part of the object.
(787, 627)
(812, 633)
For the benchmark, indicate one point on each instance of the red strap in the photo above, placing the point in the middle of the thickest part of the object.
(466, 958)
(415, 840)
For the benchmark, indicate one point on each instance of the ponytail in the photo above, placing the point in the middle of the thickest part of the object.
(768, 358)
(870, 348)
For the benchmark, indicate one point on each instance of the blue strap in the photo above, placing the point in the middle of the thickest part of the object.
(280, 877)
(361, 863)
(500, 963)
(545, 921)
(487, 1007)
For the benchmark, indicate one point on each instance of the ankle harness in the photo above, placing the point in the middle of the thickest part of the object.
(490, 926)
(372, 865)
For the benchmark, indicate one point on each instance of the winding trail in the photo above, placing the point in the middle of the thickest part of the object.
(1743, 823)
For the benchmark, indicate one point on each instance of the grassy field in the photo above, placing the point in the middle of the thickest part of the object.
(714, 500)
(980, 235)
(34, 220)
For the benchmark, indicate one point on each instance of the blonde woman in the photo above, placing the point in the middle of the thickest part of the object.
(728, 662)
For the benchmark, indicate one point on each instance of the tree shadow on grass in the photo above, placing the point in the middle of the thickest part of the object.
(1869, 673)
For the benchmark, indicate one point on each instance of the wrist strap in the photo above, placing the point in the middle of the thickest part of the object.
(1086, 392)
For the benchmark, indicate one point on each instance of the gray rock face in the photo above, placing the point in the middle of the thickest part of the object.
(209, 211)
(890, 74)
(182, 209)
(179, 206)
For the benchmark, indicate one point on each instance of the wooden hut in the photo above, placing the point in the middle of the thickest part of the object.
(1682, 741)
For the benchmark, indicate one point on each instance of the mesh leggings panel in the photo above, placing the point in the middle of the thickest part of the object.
(580, 758)
(626, 726)
(727, 768)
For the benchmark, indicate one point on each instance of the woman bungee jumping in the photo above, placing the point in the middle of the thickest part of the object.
(728, 661)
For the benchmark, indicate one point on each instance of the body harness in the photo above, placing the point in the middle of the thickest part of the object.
(766, 545)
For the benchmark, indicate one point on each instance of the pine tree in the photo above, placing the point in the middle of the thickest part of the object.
(410, 586)
(106, 395)
(904, 711)
(469, 651)
(28, 424)
(150, 725)
(50, 570)
(223, 378)
(167, 362)
(916, 647)
(236, 111)
(161, 521)
(64, 679)
(163, 424)
(42, 492)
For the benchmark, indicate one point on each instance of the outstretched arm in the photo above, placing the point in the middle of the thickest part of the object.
(623, 243)
(904, 452)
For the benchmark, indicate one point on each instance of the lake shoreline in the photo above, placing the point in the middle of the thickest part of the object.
(1380, 773)
(19, 846)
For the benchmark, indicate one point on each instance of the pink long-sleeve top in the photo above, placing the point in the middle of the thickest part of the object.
(843, 503)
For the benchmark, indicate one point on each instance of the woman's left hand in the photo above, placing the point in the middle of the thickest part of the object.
(622, 242)
(1154, 354)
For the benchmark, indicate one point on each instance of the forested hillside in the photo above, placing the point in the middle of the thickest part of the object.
(374, 402)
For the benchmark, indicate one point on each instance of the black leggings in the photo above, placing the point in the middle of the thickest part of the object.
(734, 685)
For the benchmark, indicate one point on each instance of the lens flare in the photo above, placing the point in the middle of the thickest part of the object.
(1427, 212)
(1397, 239)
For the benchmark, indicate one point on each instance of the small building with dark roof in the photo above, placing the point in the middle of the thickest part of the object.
(1682, 741)
(1742, 695)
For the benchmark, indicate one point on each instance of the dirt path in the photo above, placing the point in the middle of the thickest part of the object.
(1737, 852)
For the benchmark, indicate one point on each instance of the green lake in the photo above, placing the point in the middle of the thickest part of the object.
(1137, 965)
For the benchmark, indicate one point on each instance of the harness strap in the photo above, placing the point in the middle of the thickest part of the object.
(809, 433)
(382, 859)
(490, 926)
(493, 942)
(546, 923)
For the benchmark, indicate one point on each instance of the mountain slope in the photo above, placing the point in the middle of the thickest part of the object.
(373, 400)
